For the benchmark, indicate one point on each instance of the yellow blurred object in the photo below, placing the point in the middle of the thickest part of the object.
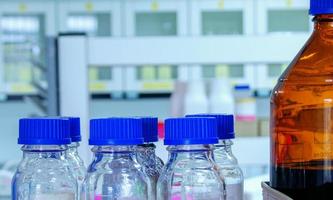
(93, 74)
(97, 86)
(89, 6)
(154, 5)
(21, 88)
(25, 74)
(221, 4)
(164, 72)
(157, 86)
(148, 72)
(290, 3)
(246, 100)
(222, 71)
(22, 7)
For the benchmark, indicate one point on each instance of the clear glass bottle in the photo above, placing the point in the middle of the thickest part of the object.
(75, 161)
(190, 172)
(44, 171)
(114, 172)
(302, 113)
(145, 153)
(230, 169)
(224, 157)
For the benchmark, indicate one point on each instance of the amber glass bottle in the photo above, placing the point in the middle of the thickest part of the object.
(302, 115)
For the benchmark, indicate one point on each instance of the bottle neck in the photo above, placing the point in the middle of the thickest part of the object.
(223, 154)
(44, 151)
(203, 152)
(73, 147)
(147, 146)
(225, 146)
(323, 24)
(105, 157)
(146, 152)
(113, 151)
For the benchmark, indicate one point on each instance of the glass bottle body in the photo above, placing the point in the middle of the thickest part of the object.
(190, 173)
(44, 173)
(230, 170)
(76, 164)
(152, 165)
(301, 119)
(115, 174)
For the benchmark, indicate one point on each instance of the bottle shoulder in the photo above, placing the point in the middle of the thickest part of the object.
(194, 164)
(117, 174)
(118, 167)
(190, 168)
(224, 154)
(75, 160)
(115, 166)
(204, 179)
(151, 164)
(44, 164)
(49, 173)
(312, 64)
(308, 80)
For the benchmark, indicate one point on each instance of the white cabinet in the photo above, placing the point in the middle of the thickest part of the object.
(219, 18)
(96, 19)
(164, 18)
(287, 17)
(281, 16)
(156, 18)
(23, 30)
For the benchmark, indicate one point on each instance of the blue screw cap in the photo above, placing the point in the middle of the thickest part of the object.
(44, 131)
(321, 7)
(150, 129)
(116, 131)
(75, 130)
(187, 131)
(225, 124)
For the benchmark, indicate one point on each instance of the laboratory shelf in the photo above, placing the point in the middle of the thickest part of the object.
(98, 19)
(23, 28)
(158, 19)
(294, 14)
(269, 15)
(224, 18)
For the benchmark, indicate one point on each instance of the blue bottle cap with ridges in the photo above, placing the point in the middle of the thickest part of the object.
(188, 130)
(44, 131)
(75, 130)
(150, 129)
(321, 7)
(116, 131)
(225, 124)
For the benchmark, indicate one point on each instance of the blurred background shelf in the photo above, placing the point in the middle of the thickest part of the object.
(139, 53)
